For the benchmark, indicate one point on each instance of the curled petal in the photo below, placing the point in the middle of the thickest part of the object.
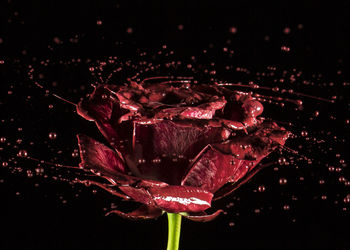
(142, 213)
(98, 106)
(202, 216)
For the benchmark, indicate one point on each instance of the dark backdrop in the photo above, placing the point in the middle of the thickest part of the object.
(41, 213)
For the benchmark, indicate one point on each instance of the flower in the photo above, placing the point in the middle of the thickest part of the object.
(175, 146)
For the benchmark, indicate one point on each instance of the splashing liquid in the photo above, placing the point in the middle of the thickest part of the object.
(314, 153)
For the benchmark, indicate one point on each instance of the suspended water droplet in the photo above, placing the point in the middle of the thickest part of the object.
(231, 224)
(282, 181)
(22, 153)
(52, 135)
(286, 207)
(304, 133)
(261, 188)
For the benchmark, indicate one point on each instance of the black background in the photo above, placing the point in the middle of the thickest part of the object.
(36, 218)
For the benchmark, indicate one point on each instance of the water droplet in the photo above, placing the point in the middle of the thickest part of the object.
(52, 135)
(282, 181)
(22, 153)
(286, 207)
(3, 139)
(233, 30)
(304, 133)
(282, 161)
(231, 224)
(261, 188)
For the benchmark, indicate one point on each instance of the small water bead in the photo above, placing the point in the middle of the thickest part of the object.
(233, 30)
(261, 188)
(342, 179)
(5, 164)
(52, 135)
(282, 181)
(231, 224)
(29, 174)
(285, 48)
(347, 199)
(286, 207)
(75, 154)
(282, 161)
(286, 30)
(3, 139)
(22, 153)
(304, 133)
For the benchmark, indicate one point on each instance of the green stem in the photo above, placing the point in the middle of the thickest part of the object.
(174, 227)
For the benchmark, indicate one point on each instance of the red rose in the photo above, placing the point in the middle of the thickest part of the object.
(174, 146)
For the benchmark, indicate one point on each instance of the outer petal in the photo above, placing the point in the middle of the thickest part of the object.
(98, 106)
(97, 156)
(172, 199)
(211, 170)
(105, 109)
(230, 187)
(202, 216)
(232, 160)
(142, 213)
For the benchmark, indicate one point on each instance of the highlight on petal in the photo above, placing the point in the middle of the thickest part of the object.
(202, 216)
(173, 199)
(176, 199)
(142, 213)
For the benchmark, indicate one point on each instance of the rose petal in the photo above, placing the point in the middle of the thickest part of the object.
(142, 213)
(104, 108)
(162, 150)
(229, 161)
(97, 156)
(230, 187)
(98, 106)
(256, 144)
(173, 199)
(202, 216)
(211, 169)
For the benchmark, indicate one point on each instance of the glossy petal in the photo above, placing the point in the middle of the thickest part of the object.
(232, 186)
(162, 150)
(202, 216)
(211, 170)
(172, 199)
(142, 213)
(97, 156)
(103, 108)
(98, 106)
(232, 160)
